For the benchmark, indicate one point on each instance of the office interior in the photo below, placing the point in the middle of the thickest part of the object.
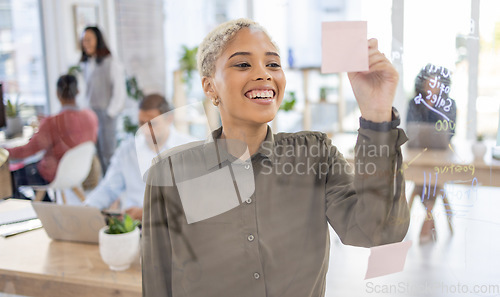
(40, 40)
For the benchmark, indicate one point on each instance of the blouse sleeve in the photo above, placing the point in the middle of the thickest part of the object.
(41, 140)
(156, 247)
(369, 208)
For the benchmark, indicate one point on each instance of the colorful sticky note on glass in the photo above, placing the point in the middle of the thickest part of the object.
(344, 47)
(387, 259)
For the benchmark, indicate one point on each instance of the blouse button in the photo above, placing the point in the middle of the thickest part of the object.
(256, 275)
(250, 237)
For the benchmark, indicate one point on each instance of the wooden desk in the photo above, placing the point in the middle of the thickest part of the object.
(32, 264)
(16, 141)
(419, 163)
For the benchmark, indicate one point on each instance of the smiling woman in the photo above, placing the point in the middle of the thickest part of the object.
(223, 218)
(248, 84)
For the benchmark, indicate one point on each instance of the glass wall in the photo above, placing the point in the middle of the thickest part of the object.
(22, 69)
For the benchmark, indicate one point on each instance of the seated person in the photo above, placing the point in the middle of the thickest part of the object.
(56, 135)
(431, 124)
(430, 105)
(123, 179)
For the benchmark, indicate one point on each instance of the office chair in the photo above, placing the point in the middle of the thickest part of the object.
(72, 170)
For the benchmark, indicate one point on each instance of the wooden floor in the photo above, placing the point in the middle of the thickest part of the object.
(455, 265)
(466, 263)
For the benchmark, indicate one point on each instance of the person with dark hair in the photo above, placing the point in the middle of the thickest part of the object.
(123, 180)
(56, 135)
(432, 102)
(431, 123)
(105, 89)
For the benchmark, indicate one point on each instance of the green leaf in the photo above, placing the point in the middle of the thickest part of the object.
(288, 103)
(12, 110)
(125, 225)
(74, 70)
(187, 63)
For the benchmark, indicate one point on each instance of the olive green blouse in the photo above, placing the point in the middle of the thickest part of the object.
(215, 225)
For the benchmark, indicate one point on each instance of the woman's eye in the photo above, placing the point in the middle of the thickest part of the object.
(242, 65)
(274, 65)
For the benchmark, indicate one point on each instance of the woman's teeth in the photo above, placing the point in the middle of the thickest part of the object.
(260, 94)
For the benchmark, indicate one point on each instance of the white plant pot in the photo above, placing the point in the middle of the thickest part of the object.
(119, 250)
(14, 126)
(478, 150)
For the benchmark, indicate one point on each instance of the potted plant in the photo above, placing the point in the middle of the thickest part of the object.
(187, 64)
(119, 242)
(289, 102)
(133, 89)
(479, 148)
(74, 70)
(14, 121)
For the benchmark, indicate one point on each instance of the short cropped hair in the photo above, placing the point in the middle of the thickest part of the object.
(67, 87)
(216, 41)
(155, 101)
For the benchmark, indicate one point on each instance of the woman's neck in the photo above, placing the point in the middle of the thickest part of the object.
(250, 135)
(68, 103)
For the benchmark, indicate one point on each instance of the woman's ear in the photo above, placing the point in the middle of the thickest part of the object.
(208, 87)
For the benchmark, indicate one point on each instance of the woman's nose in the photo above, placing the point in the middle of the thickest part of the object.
(262, 73)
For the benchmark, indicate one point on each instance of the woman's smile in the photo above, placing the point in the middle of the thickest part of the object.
(248, 79)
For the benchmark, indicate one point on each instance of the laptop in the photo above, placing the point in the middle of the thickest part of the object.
(425, 135)
(70, 222)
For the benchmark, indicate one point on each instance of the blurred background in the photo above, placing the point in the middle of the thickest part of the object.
(156, 42)
(39, 40)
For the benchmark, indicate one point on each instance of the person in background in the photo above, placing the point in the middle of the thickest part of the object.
(56, 135)
(123, 180)
(432, 102)
(431, 107)
(105, 89)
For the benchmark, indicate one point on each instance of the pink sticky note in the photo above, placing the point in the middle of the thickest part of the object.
(344, 47)
(387, 259)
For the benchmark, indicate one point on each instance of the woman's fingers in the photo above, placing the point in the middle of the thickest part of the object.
(372, 44)
(376, 58)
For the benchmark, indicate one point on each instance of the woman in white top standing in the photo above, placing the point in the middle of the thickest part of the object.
(105, 89)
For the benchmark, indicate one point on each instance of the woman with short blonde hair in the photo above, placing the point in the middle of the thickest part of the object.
(246, 212)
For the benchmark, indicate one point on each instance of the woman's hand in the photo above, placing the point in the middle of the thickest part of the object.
(135, 213)
(375, 89)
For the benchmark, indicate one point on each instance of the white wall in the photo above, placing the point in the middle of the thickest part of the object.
(140, 37)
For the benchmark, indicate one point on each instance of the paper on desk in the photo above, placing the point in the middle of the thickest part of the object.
(387, 259)
(16, 210)
(21, 227)
(344, 47)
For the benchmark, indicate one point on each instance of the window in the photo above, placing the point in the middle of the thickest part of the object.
(22, 69)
